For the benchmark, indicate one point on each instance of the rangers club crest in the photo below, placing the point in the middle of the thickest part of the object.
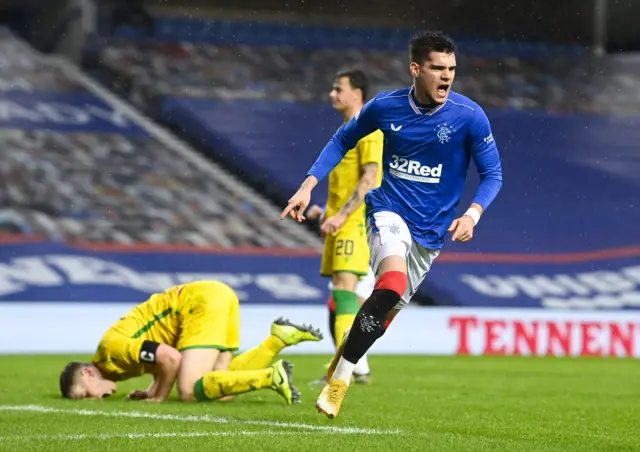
(444, 133)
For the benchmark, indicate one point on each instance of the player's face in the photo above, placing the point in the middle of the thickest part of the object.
(433, 78)
(343, 96)
(90, 385)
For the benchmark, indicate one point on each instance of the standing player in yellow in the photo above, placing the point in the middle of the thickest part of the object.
(188, 334)
(346, 252)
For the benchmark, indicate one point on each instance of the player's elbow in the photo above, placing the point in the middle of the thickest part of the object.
(341, 144)
(369, 176)
(493, 176)
(498, 181)
(495, 180)
(168, 358)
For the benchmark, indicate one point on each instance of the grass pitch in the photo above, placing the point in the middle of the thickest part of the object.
(413, 403)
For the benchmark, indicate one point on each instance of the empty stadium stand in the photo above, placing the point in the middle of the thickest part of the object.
(555, 83)
(76, 169)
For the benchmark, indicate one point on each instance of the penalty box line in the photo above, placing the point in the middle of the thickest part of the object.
(200, 418)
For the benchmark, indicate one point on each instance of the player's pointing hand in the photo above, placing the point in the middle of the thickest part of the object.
(462, 229)
(297, 205)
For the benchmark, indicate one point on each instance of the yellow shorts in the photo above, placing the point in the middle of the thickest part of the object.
(346, 251)
(210, 317)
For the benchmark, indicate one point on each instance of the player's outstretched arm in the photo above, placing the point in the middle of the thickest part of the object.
(344, 139)
(367, 181)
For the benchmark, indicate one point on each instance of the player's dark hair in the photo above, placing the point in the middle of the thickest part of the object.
(357, 79)
(424, 42)
(67, 376)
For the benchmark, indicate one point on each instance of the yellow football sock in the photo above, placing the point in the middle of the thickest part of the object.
(343, 323)
(221, 383)
(346, 310)
(258, 357)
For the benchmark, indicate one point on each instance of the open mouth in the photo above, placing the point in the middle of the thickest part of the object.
(443, 89)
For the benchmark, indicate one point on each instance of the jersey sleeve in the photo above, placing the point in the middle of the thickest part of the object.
(133, 352)
(370, 148)
(119, 358)
(484, 152)
(346, 138)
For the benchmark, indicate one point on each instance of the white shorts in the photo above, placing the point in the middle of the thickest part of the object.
(365, 285)
(389, 236)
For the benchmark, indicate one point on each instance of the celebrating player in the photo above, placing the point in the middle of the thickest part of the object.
(346, 253)
(186, 333)
(431, 133)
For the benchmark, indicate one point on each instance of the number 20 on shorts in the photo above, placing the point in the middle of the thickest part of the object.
(344, 247)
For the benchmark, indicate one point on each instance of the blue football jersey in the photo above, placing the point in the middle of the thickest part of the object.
(425, 159)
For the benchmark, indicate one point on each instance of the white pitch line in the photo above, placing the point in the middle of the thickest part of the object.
(108, 436)
(204, 418)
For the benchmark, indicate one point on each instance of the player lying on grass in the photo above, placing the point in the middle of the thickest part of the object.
(186, 334)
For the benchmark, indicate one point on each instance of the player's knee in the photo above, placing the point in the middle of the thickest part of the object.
(187, 397)
(388, 291)
(186, 391)
(394, 281)
(345, 281)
